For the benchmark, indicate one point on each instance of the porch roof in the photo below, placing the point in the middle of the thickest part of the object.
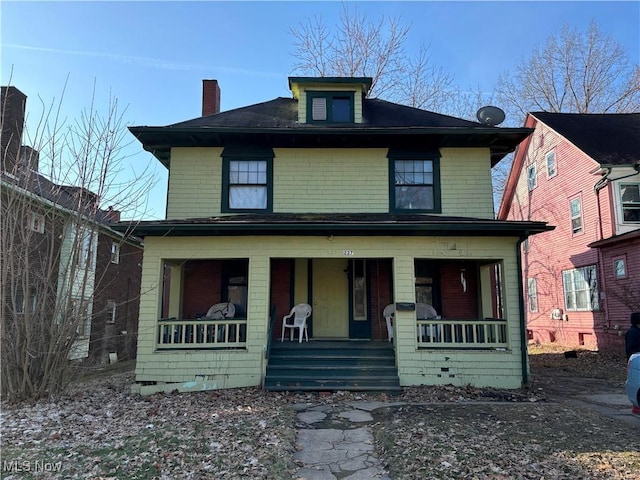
(356, 224)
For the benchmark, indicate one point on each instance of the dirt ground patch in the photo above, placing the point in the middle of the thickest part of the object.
(98, 430)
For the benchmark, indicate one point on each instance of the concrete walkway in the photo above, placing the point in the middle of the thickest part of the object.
(335, 442)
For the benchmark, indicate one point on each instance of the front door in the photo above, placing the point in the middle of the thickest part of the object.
(330, 298)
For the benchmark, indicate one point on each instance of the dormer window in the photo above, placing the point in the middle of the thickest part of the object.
(330, 107)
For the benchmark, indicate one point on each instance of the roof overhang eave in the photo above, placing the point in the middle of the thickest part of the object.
(160, 140)
(359, 229)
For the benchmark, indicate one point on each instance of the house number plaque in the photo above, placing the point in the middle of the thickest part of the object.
(347, 253)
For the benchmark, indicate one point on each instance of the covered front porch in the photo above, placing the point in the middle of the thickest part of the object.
(472, 284)
(351, 299)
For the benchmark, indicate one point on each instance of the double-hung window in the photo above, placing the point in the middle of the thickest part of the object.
(415, 182)
(580, 288)
(532, 294)
(330, 107)
(532, 176)
(550, 160)
(575, 206)
(247, 182)
(630, 197)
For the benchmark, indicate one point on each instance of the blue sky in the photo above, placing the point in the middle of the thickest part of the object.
(153, 55)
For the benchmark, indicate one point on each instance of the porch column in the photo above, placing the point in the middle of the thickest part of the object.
(404, 291)
(175, 291)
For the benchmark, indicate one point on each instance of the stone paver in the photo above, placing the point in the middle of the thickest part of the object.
(343, 451)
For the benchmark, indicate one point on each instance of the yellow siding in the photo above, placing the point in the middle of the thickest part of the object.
(465, 179)
(331, 180)
(302, 99)
(195, 182)
(226, 369)
(328, 180)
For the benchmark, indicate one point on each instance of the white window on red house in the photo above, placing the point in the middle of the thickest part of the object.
(620, 267)
(532, 176)
(581, 289)
(550, 160)
(575, 206)
(532, 294)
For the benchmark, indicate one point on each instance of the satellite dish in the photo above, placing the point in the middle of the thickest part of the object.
(490, 115)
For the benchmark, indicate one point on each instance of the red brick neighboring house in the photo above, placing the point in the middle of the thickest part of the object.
(581, 173)
(49, 213)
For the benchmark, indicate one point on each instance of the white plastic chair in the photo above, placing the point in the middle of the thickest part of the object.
(300, 313)
(388, 313)
(425, 311)
(221, 310)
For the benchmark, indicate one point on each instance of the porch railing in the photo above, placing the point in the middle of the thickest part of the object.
(199, 334)
(468, 334)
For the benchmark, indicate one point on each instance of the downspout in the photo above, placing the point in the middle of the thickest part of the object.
(599, 185)
(523, 320)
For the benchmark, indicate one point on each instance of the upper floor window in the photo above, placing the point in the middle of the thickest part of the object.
(532, 176)
(85, 246)
(23, 305)
(550, 160)
(115, 253)
(580, 288)
(36, 222)
(330, 107)
(416, 182)
(111, 311)
(575, 206)
(247, 180)
(630, 198)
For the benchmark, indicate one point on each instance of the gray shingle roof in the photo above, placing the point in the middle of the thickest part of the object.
(283, 113)
(610, 139)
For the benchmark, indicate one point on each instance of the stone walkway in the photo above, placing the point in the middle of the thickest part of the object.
(335, 442)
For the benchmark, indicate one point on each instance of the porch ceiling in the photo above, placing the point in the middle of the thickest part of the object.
(334, 224)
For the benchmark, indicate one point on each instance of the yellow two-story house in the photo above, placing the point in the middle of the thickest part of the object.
(376, 215)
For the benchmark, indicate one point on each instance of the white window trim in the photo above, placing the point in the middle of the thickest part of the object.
(572, 217)
(551, 154)
(36, 222)
(115, 253)
(591, 288)
(532, 295)
(531, 185)
(624, 273)
(622, 203)
(111, 311)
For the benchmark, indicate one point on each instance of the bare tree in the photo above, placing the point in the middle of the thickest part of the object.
(49, 232)
(358, 46)
(574, 72)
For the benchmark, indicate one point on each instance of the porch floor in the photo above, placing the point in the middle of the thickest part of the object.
(329, 365)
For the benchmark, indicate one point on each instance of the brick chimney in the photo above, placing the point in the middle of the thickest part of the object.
(12, 108)
(210, 97)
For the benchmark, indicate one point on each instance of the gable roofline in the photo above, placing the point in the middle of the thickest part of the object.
(608, 140)
(515, 171)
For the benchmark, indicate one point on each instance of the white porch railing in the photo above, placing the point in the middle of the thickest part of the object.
(185, 334)
(467, 334)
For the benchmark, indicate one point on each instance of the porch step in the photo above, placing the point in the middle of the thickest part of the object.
(332, 365)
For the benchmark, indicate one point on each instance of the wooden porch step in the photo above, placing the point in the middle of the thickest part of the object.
(332, 365)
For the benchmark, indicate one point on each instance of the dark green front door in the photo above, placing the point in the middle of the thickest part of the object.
(359, 318)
